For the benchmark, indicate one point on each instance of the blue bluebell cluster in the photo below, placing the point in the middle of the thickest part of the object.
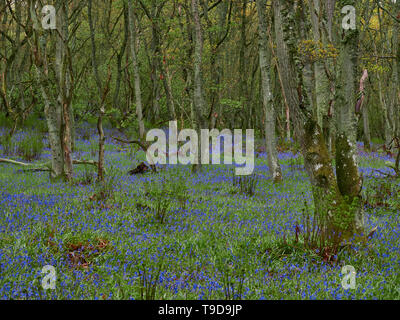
(218, 245)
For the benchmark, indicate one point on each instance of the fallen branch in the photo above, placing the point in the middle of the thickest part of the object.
(142, 145)
(17, 163)
(46, 166)
(85, 162)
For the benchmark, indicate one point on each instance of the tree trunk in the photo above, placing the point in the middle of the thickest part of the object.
(136, 70)
(64, 88)
(53, 106)
(199, 107)
(322, 87)
(102, 96)
(155, 67)
(366, 129)
(395, 78)
(348, 176)
(268, 102)
(242, 65)
(329, 198)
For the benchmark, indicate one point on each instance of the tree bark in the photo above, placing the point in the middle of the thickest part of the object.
(64, 87)
(322, 87)
(136, 70)
(348, 176)
(395, 77)
(53, 107)
(268, 102)
(199, 107)
(102, 95)
(330, 200)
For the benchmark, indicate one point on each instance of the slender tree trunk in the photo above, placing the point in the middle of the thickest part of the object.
(136, 70)
(395, 78)
(322, 87)
(120, 56)
(53, 108)
(155, 67)
(242, 63)
(199, 107)
(64, 88)
(268, 102)
(366, 129)
(167, 88)
(216, 40)
(100, 173)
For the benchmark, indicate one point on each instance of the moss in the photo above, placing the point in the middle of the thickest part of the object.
(348, 178)
(336, 200)
(317, 157)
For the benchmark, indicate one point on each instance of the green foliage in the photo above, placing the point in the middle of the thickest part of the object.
(232, 104)
(8, 144)
(312, 51)
(34, 123)
(89, 175)
(31, 146)
(163, 197)
(94, 147)
(105, 189)
(4, 121)
(246, 184)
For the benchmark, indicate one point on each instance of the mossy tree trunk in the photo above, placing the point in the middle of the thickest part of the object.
(335, 198)
(348, 176)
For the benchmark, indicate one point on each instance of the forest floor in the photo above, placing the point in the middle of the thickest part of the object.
(175, 235)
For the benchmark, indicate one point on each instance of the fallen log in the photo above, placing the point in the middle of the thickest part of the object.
(140, 169)
(45, 166)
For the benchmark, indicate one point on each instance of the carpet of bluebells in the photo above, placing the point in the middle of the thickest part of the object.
(212, 243)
